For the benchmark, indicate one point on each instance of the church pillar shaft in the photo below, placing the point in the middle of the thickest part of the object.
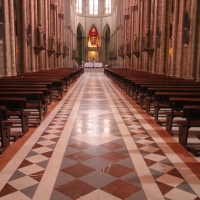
(24, 37)
(156, 51)
(7, 66)
(33, 42)
(12, 38)
(174, 36)
(162, 62)
(191, 50)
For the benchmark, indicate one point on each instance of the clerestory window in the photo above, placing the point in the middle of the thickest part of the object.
(107, 6)
(93, 7)
(79, 6)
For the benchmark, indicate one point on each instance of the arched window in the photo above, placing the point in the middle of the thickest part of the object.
(93, 9)
(79, 6)
(107, 6)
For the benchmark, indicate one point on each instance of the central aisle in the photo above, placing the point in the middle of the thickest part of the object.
(95, 145)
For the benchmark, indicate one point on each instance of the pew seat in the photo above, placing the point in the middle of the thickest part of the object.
(191, 114)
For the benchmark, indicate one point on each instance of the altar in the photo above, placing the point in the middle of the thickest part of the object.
(88, 64)
(98, 64)
(93, 64)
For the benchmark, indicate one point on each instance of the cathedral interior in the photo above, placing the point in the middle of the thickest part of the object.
(99, 99)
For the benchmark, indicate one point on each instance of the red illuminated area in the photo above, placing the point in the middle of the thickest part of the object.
(93, 37)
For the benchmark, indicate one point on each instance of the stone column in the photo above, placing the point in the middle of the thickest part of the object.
(156, 49)
(40, 13)
(46, 32)
(162, 61)
(33, 42)
(193, 40)
(179, 40)
(83, 49)
(132, 36)
(12, 38)
(174, 38)
(125, 37)
(151, 32)
(7, 66)
(147, 26)
(142, 44)
(24, 37)
(198, 42)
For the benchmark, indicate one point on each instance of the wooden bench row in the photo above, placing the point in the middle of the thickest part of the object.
(161, 96)
(25, 99)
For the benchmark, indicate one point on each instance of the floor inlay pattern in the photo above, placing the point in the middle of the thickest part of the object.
(170, 181)
(96, 146)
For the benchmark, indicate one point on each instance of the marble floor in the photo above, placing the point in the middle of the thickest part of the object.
(97, 144)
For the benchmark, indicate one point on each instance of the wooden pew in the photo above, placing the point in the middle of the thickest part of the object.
(176, 105)
(191, 113)
(53, 85)
(15, 107)
(162, 100)
(150, 96)
(29, 85)
(15, 87)
(4, 129)
(141, 87)
(34, 100)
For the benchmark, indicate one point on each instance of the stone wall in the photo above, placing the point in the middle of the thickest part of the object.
(167, 36)
(34, 36)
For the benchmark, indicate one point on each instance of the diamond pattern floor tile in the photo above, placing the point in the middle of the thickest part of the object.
(120, 189)
(75, 189)
(78, 170)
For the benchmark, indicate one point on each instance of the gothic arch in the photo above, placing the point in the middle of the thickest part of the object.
(106, 28)
(80, 43)
(81, 28)
(106, 43)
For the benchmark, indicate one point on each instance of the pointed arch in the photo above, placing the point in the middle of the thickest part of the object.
(106, 28)
(106, 43)
(81, 28)
(80, 42)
